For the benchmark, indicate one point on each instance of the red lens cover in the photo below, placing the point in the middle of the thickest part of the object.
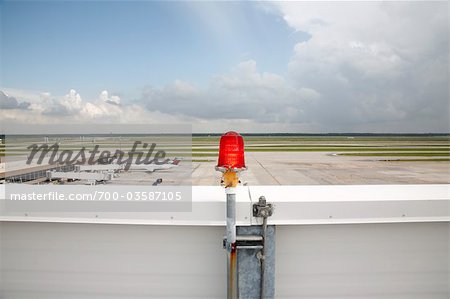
(231, 151)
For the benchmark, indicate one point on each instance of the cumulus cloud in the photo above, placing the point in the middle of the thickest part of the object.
(72, 108)
(68, 105)
(373, 63)
(113, 99)
(242, 94)
(72, 105)
(8, 102)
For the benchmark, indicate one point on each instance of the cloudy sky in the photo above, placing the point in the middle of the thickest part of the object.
(251, 67)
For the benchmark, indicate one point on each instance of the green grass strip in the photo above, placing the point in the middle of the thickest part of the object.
(328, 149)
(397, 154)
(418, 160)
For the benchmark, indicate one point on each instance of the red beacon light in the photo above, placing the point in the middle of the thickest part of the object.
(231, 153)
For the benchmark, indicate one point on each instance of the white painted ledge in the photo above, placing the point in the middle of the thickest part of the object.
(294, 205)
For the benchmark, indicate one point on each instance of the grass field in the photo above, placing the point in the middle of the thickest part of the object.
(431, 147)
(394, 154)
(358, 146)
(418, 160)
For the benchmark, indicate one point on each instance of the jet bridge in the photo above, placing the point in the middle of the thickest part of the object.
(99, 167)
(73, 175)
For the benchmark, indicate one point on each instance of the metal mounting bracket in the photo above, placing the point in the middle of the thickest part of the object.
(262, 208)
(246, 242)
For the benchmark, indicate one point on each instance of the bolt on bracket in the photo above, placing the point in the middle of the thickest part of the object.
(245, 242)
(262, 208)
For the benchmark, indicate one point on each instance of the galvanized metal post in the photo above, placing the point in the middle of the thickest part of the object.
(251, 280)
(232, 279)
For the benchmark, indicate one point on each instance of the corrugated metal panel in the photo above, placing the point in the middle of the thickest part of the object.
(377, 261)
(60, 261)
(388, 261)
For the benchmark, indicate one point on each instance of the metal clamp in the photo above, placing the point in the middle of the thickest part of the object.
(262, 208)
(246, 242)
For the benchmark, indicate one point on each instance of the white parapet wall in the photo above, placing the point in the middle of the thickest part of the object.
(371, 241)
(294, 205)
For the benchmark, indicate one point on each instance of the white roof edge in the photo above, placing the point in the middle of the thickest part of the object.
(293, 205)
(112, 221)
(339, 193)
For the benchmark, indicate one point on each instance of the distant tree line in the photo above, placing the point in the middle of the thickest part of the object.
(331, 134)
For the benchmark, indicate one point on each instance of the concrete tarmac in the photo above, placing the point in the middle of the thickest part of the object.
(326, 168)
